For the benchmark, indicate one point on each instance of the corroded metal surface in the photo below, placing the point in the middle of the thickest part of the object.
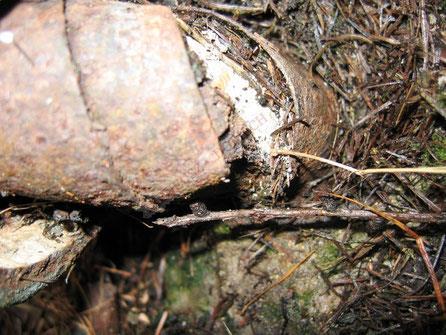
(99, 105)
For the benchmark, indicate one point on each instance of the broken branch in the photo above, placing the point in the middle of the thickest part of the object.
(302, 216)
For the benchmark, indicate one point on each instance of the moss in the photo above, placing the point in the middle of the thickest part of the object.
(272, 316)
(443, 283)
(358, 239)
(271, 312)
(222, 229)
(415, 145)
(422, 184)
(327, 254)
(410, 253)
(298, 311)
(439, 146)
(306, 298)
(186, 282)
(442, 96)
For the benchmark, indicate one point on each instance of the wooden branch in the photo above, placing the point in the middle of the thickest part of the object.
(302, 216)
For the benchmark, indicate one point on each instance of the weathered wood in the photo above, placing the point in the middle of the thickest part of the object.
(35, 253)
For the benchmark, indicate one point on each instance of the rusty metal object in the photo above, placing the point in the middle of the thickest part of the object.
(99, 105)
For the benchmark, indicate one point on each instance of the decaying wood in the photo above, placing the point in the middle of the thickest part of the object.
(308, 114)
(35, 253)
(313, 102)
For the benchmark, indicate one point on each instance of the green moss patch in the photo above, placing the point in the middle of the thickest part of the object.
(188, 281)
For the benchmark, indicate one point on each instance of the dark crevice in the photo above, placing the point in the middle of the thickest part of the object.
(6, 6)
(75, 65)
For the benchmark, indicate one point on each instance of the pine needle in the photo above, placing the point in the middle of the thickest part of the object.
(420, 244)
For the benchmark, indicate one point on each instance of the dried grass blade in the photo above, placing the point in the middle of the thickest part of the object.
(317, 158)
(420, 169)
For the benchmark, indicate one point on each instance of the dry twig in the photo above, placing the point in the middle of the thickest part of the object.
(301, 216)
(161, 323)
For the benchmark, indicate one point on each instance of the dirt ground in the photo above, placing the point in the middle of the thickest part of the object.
(385, 62)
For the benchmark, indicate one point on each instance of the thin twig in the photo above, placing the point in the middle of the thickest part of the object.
(347, 37)
(233, 9)
(403, 105)
(22, 207)
(161, 323)
(436, 261)
(372, 114)
(424, 34)
(302, 216)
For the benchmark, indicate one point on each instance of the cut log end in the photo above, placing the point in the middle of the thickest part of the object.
(35, 253)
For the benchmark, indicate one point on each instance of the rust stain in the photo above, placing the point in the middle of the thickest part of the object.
(109, 113)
